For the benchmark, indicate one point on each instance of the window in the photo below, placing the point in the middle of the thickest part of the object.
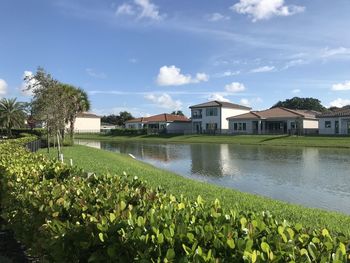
(240, 126)
(292, 125)
(196, 114)
(211, 126)
(211, 111)
(327, 124)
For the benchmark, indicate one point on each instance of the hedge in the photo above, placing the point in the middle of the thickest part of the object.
(65, 214)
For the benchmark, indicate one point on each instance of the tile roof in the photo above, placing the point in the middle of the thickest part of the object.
(142, 119)
(221, 104)
(336, 113)
(164, 117)
(275, 113)
(87, 115)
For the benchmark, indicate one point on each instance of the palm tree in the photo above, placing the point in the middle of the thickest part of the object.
(11, 114)
(78, 103)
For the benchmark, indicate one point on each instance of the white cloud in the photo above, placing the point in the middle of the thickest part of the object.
(171, 76)
(296, 91)
(329, 52)
(135, 111)
(249, 102)
(217, 96)
(125, 9)
(3, 87)
(201, 77)
(228, 73)
(98, 75)
(294, 63)
(265, 9)
(141, 9)
(217, 17)
(235, 87)
(339, 102)
(263, 69)
(164, 101)
(341, 86)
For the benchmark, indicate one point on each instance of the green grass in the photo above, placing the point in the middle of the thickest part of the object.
(274, 140)
(100, 161)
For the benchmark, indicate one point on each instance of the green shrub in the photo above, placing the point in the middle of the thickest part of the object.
(69, 215)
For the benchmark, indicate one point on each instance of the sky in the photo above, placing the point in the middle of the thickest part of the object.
(156, 56)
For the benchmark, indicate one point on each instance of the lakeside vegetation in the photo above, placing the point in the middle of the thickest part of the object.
(101, 161)
(273, 140)
(63, 213)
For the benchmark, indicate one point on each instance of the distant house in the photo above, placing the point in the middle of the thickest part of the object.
(137, 123)
(274, 121)
(167, 123)
(87, 123)
(336, 122)
(212, 116)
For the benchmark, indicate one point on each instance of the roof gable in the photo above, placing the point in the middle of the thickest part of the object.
(164, 117)
(216, 103)
(87, 115)
(275, 113)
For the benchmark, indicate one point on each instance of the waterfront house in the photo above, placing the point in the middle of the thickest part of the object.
(212, 116)
(335, 122)
(161, 123)
(137, 123)
(87, 122)
(274, 121)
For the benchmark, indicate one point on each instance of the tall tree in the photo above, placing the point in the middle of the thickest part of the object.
(301, 104)
(179, 112)
(11, 114)
(49, 103)
(117, 119)
(124, 116)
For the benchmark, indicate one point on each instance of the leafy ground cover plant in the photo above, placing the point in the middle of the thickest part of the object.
(65, 214)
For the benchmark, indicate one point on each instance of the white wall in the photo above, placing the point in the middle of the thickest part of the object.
(87, 124)
(220, 119)
(322, 127)
(310, 124)
(227, 112)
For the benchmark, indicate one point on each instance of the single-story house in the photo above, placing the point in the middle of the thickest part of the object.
(137, 123)
(167, 123)
(274, 121)
(212, 116)
(335, 122)
(87, 122)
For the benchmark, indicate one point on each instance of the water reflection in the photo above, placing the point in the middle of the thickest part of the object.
(314, 177)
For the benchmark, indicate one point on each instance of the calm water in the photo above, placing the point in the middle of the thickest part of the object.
(313, 177)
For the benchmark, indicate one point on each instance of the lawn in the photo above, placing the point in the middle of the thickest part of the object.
(277, 140)
(101, 161)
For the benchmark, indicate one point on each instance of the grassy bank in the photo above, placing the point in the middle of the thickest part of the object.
(100, 161)
(274, 140)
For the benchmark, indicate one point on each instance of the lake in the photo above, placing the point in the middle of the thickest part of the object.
(313, 177)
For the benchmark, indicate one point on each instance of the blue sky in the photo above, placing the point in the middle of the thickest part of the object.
(153, 56)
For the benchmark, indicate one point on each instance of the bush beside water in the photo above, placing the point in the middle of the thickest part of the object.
(67, 215)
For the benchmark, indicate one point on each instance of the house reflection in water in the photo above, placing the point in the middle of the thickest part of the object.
(157, 152)
(213, 160)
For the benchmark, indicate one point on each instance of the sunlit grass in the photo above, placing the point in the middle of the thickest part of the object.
(100, 161)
